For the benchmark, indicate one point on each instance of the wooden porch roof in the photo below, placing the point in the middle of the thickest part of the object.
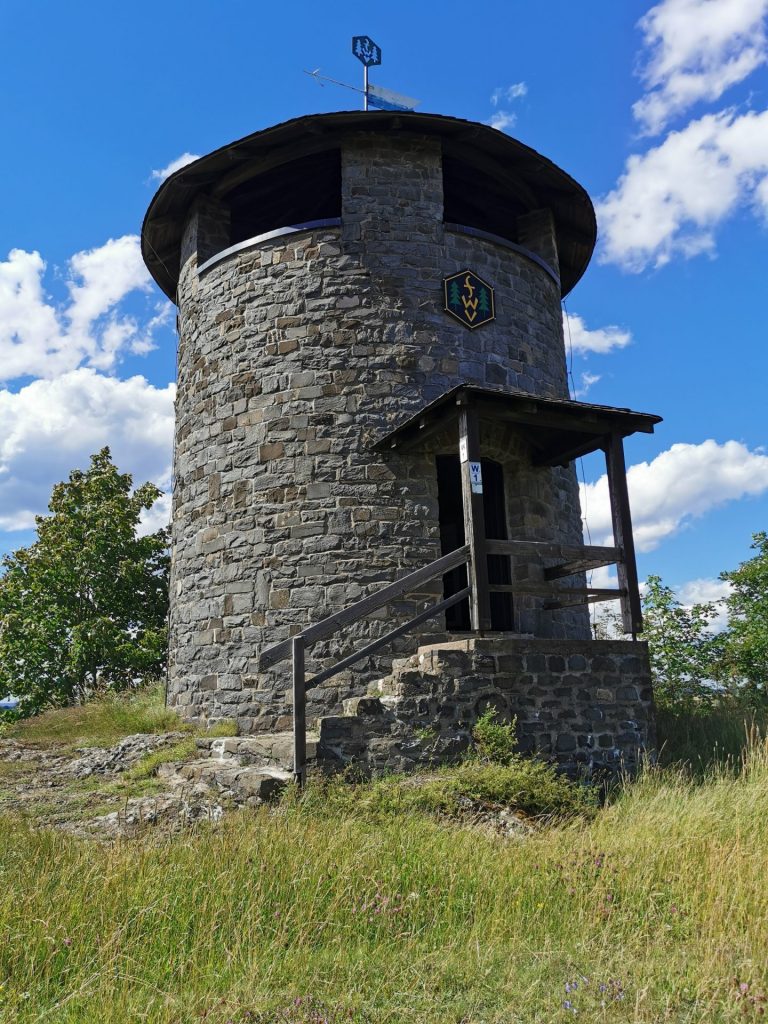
(558, 430)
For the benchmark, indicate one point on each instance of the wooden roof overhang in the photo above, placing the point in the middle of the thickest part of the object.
(508, 173)
(558, 430)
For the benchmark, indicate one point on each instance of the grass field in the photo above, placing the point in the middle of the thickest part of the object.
(652, 909)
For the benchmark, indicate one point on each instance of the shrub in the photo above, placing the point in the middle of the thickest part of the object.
(495, 741)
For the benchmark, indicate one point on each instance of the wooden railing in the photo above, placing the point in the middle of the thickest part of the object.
(567, 561)
(295, 648)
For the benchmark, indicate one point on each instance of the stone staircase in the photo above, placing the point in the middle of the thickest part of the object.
(416, 715)
(584, 705)
(370, 732)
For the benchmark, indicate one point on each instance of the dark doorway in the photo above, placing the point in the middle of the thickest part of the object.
(452, 536)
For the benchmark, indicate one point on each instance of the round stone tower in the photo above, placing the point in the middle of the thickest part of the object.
(310, 265)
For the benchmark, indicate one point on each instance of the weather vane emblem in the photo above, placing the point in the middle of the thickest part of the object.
(366, 51)
(469, 299)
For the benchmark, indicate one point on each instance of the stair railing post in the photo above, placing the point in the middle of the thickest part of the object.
(299, 712)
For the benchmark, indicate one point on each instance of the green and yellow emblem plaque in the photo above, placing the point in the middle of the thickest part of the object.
(469, 299)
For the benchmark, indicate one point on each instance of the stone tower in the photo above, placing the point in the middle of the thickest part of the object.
(325, 363)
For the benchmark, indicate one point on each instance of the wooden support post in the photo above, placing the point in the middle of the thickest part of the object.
(299, 712)
(626, 567)
(474, 518)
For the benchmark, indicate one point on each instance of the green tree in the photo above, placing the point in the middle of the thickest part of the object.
(743, 665)
(682, 648)
(454, 297)
(484, 306)
(85, 605)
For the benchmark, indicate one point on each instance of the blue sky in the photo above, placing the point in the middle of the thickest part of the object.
(660, 111)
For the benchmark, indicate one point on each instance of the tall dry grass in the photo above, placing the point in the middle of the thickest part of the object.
(654, 910)
(99, 722)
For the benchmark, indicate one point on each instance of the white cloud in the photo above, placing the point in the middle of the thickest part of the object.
(680, 484)
(509, 93)
(41, 338)
(707, 591)
(50, 427)
(698, 49)
(670, 199)
(602, 339)
(502, 120)
(586, 381)
(174, 165)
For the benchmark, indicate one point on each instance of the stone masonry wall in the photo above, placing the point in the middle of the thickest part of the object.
(294, 356)
(585, 706)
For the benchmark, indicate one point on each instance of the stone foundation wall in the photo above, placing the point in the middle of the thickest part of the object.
(585, 706)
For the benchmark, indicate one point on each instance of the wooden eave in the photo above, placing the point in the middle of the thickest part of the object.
(558, 430)
(517, 170)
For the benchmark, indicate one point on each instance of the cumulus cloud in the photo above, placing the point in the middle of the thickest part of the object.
(174, 165)
(50, 427)
(503, 118)
(697, 49)
(680, 484)
(42, 338)
(601, 339)
(669, 200)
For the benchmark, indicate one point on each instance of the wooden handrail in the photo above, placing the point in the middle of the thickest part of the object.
(376, 645)
(296, 646)
(330, 625)
(544, 549)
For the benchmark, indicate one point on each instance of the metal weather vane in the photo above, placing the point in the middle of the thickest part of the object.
(369, 55)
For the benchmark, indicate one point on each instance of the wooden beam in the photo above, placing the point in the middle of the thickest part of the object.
(581, 564)
(563, 454)
(545, 549)
(631, 610)
(545, 590)
(591, 598)
(474, 518)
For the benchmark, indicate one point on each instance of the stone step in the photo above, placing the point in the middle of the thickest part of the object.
(357, 706)
(408, 682)
(269, 749)
(227, 779)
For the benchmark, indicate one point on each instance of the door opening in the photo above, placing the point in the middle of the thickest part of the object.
(451, 515)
